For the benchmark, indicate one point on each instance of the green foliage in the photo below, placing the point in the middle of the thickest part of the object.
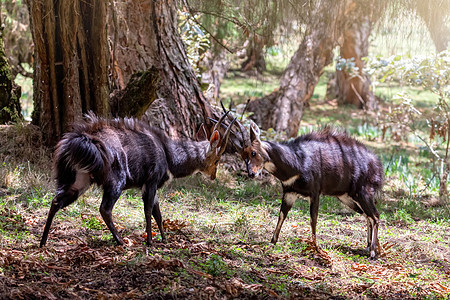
(403, 215)
(194, 38)
(366, 131)
(430, 73)
(93, 222)
(215, 265)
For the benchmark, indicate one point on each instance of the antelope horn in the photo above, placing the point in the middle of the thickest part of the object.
(223, 106)
(244, 134)
(245, 108)
(216, 127)
(235, 144)
(224, 142)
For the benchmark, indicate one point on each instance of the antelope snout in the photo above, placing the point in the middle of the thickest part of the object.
(250, 172)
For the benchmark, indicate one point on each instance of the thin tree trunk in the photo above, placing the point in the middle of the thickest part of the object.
(283, 109)
(254, 56)
(354, 87)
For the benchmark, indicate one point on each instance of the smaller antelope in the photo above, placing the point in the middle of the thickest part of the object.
(123, 153)
(325, 162)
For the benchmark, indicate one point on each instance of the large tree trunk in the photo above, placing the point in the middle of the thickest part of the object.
(354, 88)
(9, 92)
(175, 100)
(145, 61)
(71, 61)
(283, 109)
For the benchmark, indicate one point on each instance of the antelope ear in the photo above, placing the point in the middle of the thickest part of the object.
(254, 131)
(215, 139)
(201, 134)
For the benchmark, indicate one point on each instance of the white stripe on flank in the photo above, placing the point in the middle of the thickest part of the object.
(82, 182)
(346, 199)
(270, 167)
(290, 181)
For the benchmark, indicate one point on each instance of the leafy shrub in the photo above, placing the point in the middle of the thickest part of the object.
(430, 73)
(195, 40)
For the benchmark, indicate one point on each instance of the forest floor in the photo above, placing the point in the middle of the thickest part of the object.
(218, 235)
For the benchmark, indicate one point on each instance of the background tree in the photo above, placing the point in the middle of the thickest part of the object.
(9, 92)
(435, 15)
(240, 31)
(352, 85)
(283, 109)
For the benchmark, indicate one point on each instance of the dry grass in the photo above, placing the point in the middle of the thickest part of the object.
(25, 162)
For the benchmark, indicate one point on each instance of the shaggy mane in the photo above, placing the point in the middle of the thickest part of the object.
(325, 134)
(92, 123)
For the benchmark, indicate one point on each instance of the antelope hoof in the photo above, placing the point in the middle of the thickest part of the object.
(163, 239)
(119, 241)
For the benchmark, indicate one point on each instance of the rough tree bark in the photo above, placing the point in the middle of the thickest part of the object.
(283, 109)
(143, 61)
(9, 92)
(71, 61)
(145, 39)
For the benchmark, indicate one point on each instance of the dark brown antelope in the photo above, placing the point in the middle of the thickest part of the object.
(325, 162)
(123, 153)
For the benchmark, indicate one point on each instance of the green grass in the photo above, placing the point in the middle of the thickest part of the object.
(239, 88)
(228, 231)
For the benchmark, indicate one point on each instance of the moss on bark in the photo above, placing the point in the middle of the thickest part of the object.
(9, 92)
(139, 94)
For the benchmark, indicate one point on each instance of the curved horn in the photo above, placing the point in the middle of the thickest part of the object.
(234, 140)
(223, 144)
(217, 126)
(245, 136)
(223, 106)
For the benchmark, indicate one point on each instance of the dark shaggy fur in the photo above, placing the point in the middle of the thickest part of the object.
(120, 154)
(327, 162)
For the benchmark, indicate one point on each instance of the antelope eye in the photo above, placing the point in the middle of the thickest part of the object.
(253, 153)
